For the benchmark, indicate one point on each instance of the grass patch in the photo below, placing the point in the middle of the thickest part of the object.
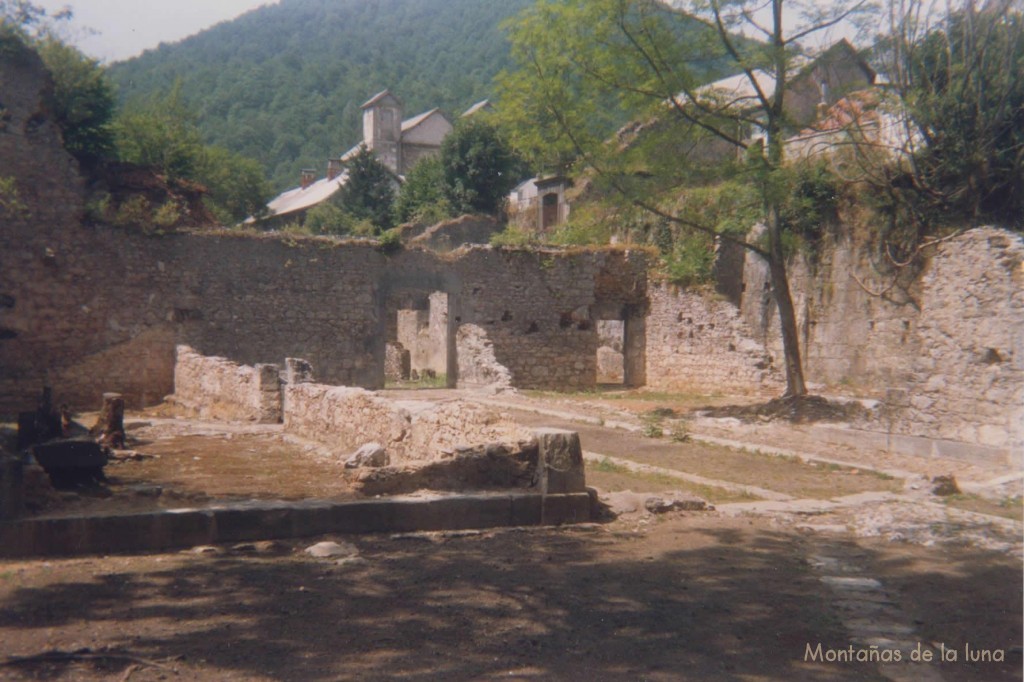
(1011, 507)
(613, 477)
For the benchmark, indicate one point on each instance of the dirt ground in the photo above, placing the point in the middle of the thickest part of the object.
(685, 597)
(737, 594)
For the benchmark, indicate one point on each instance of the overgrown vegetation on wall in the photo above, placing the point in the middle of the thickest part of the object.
(158, 132)
(703, 165)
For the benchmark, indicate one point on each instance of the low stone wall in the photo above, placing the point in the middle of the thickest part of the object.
(698, 341)
(344, 419)
(216, 388)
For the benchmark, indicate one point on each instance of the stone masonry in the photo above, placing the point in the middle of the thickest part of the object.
(343, 419)
(90, 309)
(696, 341)
(216, 388)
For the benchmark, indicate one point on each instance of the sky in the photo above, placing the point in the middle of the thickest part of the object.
(111, 30)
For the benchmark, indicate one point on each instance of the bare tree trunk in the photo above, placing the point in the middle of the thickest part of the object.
(795, 385)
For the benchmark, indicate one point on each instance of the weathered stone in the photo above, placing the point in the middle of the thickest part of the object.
(109, 427)
(332, 550)
(488, 467)
(68, 461)
(410, 430)
(663, 505)
(216, 388)
(297, 371)
(369, 455)
(397, 363)
(945, 486)
(560, 461)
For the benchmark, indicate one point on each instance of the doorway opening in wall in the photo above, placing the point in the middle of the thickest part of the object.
(611, 361)
(418, 342)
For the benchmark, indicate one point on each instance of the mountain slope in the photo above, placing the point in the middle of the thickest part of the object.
(283, 84)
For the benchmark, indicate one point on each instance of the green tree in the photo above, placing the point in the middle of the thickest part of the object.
(958, 77)
(479, 167)
(237, 186)
(29, 20)
(160, 131)
(369, 192)
(422, 196)
(572, 53)
(326, 218)
(82, 100)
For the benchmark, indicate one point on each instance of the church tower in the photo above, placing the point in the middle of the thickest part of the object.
(382, 129)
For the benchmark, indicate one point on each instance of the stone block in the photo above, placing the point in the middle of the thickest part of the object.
(473, 511)
(297, 371)
(369, 455)
(560, 462)
(251, 521)
(557, 510)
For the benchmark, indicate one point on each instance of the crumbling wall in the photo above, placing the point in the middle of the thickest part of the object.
(478, 368)
(449, 235)
(697, 341)
(345, 418)
(847, 336)
(216, 388)
(537, 310)
(967, 384)
(943, 348)
(90, 309)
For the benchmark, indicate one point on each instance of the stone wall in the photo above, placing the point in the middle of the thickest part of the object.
(697, 341)
(345, 418)
(538, 309)
(478, 368)
(942, 347)
(449, 235)
(967, 382)
(216, 388)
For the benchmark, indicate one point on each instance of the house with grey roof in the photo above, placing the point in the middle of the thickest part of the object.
(396, 142)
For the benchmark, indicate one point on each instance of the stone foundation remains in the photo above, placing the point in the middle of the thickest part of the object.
(91, 308)
(216, 388)
(343, 419)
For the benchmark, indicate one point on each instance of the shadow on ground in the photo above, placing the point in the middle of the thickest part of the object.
(711, 600)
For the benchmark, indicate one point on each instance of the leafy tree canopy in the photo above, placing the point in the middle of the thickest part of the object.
(580, 59)
(960, 81)
(369, 192)
(422, 196)
(82, 100)
(479, 167)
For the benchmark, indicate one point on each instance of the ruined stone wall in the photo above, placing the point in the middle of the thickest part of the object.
(943, 347)
(101, 309)
(478, 367)
(697, 341)
(344, 419)
(449, 235)
(216, 388)
(537, 309)
(91, 309)
(967, 383)
(848, 337)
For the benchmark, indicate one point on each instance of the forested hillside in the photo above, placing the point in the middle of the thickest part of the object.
(283, 84)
